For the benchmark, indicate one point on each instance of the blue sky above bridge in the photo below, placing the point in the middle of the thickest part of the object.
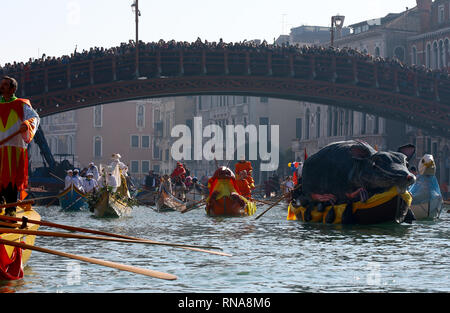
(56, 27)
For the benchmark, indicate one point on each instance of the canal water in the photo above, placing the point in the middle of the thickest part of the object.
(270, 255)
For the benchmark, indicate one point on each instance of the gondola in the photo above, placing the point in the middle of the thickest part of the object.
(72, 199)
(167, 202)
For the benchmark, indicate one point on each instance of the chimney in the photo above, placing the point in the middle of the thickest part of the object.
(424, 7)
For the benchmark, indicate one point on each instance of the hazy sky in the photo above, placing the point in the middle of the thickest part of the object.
(55, 27)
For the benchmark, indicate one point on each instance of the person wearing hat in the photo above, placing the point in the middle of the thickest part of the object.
(246, 166)
(77, 181)
(178, 177)
(90, 185)
(116, 162)
(68, 180)
(94, 170)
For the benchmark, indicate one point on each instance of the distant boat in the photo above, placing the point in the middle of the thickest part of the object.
(109, 205)
(147, 197)
(73, 199)
(168, 202)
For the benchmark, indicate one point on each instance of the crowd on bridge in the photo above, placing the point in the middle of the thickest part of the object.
(285, 48)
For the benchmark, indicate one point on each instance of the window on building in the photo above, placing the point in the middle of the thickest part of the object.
(441, 54)
(428, 56)
(167, 155)
(414, 55)
(399, 53)
(263, 121)
(298, 128)
(363, 123)
(200, 103)
(145, 166)
(145, 141)
(156, 168)
(264, 100)
(435, 57)
(135, 167)
(97, 147)
(377, 52)
(335, 122)
(140, 116)
(441, 14)
(329, 122)
(134, 141)
(318, 123)
(376, 126)
(98, 116)
(307, 124)
(156, 151)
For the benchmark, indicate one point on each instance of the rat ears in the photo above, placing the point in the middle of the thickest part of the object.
(360, 152)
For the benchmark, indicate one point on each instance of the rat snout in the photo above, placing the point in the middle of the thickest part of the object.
(411, 179)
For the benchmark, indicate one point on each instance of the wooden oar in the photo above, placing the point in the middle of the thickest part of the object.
(193, 205)
(282, 197)
(25, 202)
(119, 266)
(77, 236)
(97, 232)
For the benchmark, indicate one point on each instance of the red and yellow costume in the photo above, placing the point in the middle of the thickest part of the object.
(245, 166)
(13, 153)
(244, 188)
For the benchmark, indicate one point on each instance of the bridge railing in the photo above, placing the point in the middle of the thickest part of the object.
(166, 62)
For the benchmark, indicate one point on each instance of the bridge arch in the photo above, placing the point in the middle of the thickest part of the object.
(348, 80)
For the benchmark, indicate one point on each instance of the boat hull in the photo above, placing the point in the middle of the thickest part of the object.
(147, 197)
(166, 202)
(230, 207)
(387, 207)
(27, 239)
(72, 199)
(109, 206)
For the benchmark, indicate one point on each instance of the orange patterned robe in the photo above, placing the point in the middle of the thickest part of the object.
(14, 153)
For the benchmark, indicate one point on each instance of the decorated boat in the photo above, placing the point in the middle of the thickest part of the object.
(390, 206)
(106, 203)
(427, 198)
(168, 202)
(72, 199)
(14, 259)
(224, 197)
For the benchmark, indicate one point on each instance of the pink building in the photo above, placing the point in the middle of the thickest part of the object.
(124, 127)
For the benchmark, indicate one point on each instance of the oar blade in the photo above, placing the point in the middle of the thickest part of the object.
(123, 267)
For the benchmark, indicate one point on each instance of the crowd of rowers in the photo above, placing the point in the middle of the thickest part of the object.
(90, 180)
(180, 181)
